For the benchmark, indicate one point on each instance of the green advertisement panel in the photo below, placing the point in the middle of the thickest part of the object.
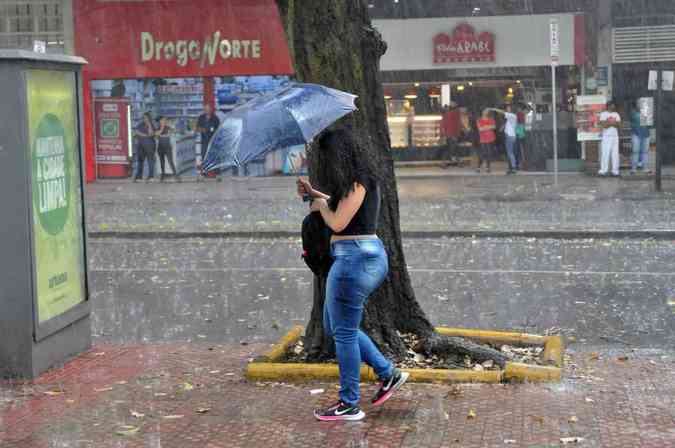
(58, 240)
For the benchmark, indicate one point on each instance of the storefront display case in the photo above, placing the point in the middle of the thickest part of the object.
(399, 133)
(426, 131)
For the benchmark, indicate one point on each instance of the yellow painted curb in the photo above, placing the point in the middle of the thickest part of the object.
(267, 368)
(553, 350)
(454, 376)
(270, 371)
(279, 350)
(296, 371)
(516, 371)
(502, 337)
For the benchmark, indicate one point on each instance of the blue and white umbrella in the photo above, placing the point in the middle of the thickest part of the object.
(291, 116)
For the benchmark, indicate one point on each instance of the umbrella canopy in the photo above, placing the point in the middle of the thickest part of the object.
(291, 116)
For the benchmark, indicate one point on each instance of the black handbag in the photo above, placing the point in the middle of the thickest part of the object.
(316, 244)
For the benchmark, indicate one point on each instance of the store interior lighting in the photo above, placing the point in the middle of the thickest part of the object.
(428, 118)
(460, 88)
(410, 97)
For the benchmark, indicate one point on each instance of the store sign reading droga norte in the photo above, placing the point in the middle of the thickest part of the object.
(464, 45)
(206, 52)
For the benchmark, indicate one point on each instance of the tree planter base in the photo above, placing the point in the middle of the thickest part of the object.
(269, 367)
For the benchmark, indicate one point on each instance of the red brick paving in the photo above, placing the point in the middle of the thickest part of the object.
(617, 404)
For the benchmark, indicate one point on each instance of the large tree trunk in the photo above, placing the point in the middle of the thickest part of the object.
(332, 42)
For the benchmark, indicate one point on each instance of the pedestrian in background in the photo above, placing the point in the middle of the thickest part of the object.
(207, 124)
(145, 147)
(487, 130)
(450, 127)
(510, 124)
(521, 134)
(164, 149)
(641, 140)
(610, 122)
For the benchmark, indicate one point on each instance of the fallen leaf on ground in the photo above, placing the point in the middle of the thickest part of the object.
(137, 414)
(127, 430)
(568, 440)
(622, 358)
(103, 389)
(202, 410)
(172, 417)
(53, 393)
(595, 356)
(455, 391)
(472, 414)
(537, 418)
(573, 419)
(187, 386)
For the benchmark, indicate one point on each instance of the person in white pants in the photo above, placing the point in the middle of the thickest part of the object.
(610, 121)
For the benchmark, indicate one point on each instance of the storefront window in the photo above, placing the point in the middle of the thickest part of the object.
(457, 59)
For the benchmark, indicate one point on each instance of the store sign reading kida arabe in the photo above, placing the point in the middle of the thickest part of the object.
(464, 45)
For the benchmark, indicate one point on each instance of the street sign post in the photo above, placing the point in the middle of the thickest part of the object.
(659, 123)
(660, 81)
(555, 59)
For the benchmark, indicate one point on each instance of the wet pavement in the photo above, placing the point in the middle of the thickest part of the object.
(430, 200)
(193, 395)
(252, 290)
(176, 320)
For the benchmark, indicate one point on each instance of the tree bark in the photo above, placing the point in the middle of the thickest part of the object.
(332, 42)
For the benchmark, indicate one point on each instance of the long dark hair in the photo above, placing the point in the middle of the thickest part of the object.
(341, 162)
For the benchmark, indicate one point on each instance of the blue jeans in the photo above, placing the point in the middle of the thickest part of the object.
(511, 151)
(359, 268)
(640, 152)
(145, 150)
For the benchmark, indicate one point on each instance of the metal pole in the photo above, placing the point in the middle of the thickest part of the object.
(555, 127)
(583, 92)
(659, 123)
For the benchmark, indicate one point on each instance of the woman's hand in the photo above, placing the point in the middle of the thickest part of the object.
(318, 204)
(305, 188)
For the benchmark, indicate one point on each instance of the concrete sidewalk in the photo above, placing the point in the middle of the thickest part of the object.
(184, 396)
(431, 202)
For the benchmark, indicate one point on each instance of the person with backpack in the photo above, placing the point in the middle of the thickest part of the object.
(350, 210)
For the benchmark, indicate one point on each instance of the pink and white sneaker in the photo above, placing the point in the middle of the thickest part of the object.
(389, 386)
(340, 411)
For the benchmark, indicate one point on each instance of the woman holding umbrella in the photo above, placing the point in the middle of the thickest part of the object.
(351, 208)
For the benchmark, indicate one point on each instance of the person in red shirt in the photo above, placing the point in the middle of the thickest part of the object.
(486, 130)
(450, 129)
